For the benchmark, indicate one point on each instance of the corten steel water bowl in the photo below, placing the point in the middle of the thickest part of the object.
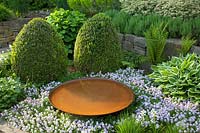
(91, 96)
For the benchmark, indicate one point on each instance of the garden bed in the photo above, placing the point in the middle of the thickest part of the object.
(152, 109)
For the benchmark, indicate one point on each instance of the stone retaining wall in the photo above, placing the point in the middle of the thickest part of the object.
(10, 29)
(138, 44)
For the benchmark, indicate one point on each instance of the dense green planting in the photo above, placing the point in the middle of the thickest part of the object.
(5, 13)
(21, 7)
(186, 44)
(132, 59)
(67, 24)
(5, 65)
(176, 8)
(129, 125)
(11, 92)
(97, 46)
(179, 77)
(38, 53)
(91, 7)
(156, 38)
(40, 4)
(18, 6)
(176, 27)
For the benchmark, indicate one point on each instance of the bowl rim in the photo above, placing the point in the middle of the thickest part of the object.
(93, 78)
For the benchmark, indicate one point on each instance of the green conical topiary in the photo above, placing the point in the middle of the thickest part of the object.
(38, 53)
(97, 46)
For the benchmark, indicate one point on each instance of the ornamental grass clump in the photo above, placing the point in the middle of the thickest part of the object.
(179, 77)
(97, 46)
(38, 54)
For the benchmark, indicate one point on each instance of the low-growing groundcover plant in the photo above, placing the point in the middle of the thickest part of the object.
(67, 24)
(179, 77)
(38, 54)
(97, 46)
(11, 92)
(151, 108)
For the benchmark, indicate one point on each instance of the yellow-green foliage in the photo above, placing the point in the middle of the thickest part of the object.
(38, 53)
(97, 46)
(156, 37)
(5, 13)
(91, 7)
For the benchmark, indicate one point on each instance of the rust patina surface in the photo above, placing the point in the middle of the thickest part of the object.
(91, 96)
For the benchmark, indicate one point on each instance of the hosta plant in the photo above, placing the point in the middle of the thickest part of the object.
(179, 77)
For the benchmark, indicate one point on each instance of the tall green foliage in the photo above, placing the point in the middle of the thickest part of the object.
(19, 6)
(186, 44)
(137, 24)
(91, 7)
(120, 21)
(156, 38)
(5, 13)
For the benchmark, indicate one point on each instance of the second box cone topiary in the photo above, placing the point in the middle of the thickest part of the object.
(97, 46)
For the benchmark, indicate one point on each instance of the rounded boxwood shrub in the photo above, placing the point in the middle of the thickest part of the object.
(97, 46)
(38, 53)
(5, 13)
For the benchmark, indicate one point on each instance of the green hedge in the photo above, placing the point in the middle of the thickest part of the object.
(138, 24)
(172, 8)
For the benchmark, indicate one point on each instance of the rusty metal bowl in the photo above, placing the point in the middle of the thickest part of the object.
(91, 96)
